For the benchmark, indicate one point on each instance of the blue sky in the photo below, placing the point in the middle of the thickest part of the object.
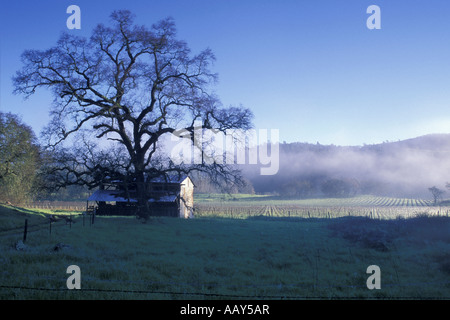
(310, 68)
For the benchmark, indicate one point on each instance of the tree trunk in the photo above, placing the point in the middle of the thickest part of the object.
(142, 196)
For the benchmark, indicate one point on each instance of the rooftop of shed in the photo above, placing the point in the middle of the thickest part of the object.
(120, 196)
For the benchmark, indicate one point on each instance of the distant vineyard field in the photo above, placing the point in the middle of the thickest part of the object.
(367, 206)
(57, 205)
(365, 200)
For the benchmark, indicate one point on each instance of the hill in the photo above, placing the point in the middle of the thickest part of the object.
(404, 168)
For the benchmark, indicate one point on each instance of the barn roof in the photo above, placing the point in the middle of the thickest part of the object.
(174, 178)
(118, 196)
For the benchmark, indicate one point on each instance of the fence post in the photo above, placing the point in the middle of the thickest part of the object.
(25, 230)
(93, 216)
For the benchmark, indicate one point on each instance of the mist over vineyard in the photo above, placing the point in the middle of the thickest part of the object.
(398, 169)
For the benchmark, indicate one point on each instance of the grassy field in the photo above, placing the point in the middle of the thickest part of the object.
(257, 257)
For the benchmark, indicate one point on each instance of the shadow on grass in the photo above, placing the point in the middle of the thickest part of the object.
(379, 234)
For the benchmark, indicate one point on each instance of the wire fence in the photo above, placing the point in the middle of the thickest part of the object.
(52, 221)
(57, 205)
(190, 289)
(245, 296)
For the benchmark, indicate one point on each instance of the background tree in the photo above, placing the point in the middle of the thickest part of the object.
(295, 187)
(338, 188)
(437, 193)
(19, 159)
(131, 86)
(447, 185)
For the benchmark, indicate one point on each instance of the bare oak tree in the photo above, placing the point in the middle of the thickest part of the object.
(129, 85)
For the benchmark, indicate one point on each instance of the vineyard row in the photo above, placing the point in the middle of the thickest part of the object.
(202, 210)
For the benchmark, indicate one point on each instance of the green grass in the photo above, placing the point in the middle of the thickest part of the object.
(11, 217)
(216, 258)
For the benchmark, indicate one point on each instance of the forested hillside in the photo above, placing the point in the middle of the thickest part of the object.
(401, 168)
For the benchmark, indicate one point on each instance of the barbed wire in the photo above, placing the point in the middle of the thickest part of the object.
(19, 230)
(21, 227)
(200, 284)
(221, 295)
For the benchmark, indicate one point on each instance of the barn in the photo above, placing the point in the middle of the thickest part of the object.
(169, 196)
